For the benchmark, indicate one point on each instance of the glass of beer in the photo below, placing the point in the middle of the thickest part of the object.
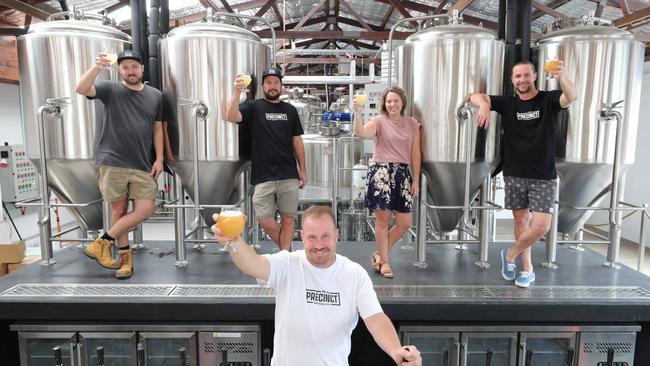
(360, 98)
(551, 65)
(111, 55)
(231, 222)
(247, 80)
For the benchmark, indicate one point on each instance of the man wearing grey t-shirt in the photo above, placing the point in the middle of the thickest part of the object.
(132, 123)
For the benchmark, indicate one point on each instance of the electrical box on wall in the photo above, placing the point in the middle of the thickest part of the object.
(18, 176)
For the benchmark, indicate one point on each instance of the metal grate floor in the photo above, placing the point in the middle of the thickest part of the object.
(436, 292)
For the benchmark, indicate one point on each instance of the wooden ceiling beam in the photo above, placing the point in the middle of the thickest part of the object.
(356, 15)
(309, 14)
(440, 7)
(278, 15)
(547, 9)
(460, 6)
(354, 23)
(387, 16)
(600, 8)
(381, 35)
(630, 19)
(553, 5)
(261, 12)
(119, 5)
(402, 10)
(624, 8)
(27, 9)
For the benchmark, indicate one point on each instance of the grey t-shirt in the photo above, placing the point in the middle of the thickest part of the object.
(126, 134)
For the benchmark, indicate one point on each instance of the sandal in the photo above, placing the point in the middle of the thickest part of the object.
(386, 271)
(375, 261)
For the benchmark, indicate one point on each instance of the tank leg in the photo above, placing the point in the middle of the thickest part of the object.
(551, 236)
(421, 226)
(485, 223)
(179, 224)
(579, 236)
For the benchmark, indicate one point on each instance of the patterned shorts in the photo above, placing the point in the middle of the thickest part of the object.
(537, 195)
(389, 187)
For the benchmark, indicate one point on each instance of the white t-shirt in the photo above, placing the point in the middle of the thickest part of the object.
(316, 309)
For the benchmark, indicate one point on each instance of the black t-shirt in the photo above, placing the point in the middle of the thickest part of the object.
(529, 130)
(272, 127)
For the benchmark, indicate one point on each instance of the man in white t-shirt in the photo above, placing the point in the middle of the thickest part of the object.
(319, 297)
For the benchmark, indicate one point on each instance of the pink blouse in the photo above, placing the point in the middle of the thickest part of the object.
(393, 141)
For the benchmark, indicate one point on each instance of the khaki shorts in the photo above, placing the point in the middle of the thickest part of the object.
(117, 184)
(276, 194)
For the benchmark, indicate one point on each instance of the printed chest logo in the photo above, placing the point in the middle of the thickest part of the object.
(527, 116)
(276, 117)
(323, 298)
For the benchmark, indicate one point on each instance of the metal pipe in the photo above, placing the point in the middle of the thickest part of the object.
(464, 114)
(484, 225)
(335, 178)
(524, 19)
(52, 106)
(390, 39)
(58, 235)
(583, 242)
(641, 258)
(138, 237)
(607, 114)
(136, 25)
(243, 183)
(421, 227)
(164, 17)
(551, 236)
(28, 203)
(179, 223)
(154, 37)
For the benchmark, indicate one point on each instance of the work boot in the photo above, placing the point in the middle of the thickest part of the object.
(126, 268)
(100, 250)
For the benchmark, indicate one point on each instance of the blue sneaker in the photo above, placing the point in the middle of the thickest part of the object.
(507, 269)
(525, 279)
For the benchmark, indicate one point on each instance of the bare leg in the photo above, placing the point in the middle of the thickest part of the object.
(143, 210)
(382, 219)
(118, 210)
(403, 223)
(539, 225)
(287, 228)
(272, 228)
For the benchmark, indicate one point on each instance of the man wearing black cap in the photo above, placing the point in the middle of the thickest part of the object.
(131, 124)
(276, 142)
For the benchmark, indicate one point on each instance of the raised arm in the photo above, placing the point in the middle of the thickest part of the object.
(384, 334)
(362, 130)
(244, 256)
(232, 109)
(86, 85)
(569, 93)
(483, 103)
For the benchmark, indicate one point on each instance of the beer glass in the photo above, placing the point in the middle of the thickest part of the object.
(551, 65)
(231, 222)
(247, 79)
(111, 55)
(360, 98)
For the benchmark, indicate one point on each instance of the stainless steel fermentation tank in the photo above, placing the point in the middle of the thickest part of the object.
(460, 59)
(606, 65)
(199, 63)
(52, 57)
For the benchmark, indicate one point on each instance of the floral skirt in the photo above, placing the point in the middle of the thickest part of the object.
(389, 187)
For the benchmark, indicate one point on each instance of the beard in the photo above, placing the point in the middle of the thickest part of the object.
(268, 96)
(133, 79)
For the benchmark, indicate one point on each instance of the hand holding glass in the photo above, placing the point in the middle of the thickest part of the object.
(551, 65)
(360, 98)
(246, 78)
(231, 223)
(111, 55)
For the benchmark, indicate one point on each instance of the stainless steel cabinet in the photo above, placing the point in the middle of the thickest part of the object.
(436, 348)
(547, 349)
(488, 349)
(36, 348)
(161, 348)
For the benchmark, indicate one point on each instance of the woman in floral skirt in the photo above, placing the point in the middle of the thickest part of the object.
(391, 187)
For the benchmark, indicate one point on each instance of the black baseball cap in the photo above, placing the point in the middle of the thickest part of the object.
(128, 55)
(272, 71)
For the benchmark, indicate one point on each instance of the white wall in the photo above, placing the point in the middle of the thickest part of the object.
(637, 184)
(11, 129)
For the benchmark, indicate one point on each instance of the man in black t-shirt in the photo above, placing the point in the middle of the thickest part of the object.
(276, 144)
(529, 122)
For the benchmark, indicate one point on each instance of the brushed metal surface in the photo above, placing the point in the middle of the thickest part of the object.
(52, 56)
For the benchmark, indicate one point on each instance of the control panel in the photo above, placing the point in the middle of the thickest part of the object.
(373, 107)
(18, 176)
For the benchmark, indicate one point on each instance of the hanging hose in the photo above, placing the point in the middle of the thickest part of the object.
(12, 220)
